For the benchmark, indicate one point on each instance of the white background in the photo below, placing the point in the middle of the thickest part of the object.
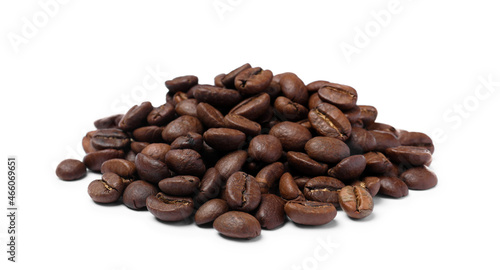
(422, 68)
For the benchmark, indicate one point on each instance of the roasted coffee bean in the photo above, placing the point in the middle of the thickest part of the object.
(265, 148)
(210, 210)
(419, 178)
(209, 116)
(310, 212)
(210, 186)
(409, 155)
(356, 201)
(243, 124)
(349, 168)
(106, 190)
(268, 175)
(301, 181)
(368, 114)
(293, 136)
(122, 167)
(183, 83)
(376, 162)
(137, 147)
(189, 141)
(289, 189)
(305, 165)
(94, 160)
(108, 122)
(271, 211)
(231, 163)
(180, 127)
(71, 169)
(293, 88)
(156, 151)
(383, 127)
(136, 116)
(162, 115)
(305, 123)
(289, 110)
(323, 189)
(314, 101)
(371, 183)
(150, 134)
(416, 139)
(342, 96)
(327, 149)
(224, 139)
(316, 85)
(185, 162)
(216, 96)
(361, 141)
(109, 139)
(253, 107)
(242, 192)
(179, 97)
(253, 80)
(137, 192)
(329, 121)
(187, 107)
(393, 187)
(274, 89)
(354, 117)
(229, 80)
(169, 208)
(218, 80)
(130, 156)
(87, 144)
(180, 185)
(384, 140)
(150, 169)
(237, 224)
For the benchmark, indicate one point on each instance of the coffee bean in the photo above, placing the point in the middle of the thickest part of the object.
(376, 162)
(368, 114)
(209, 116)
(342, 96)
(150, 134)
(185, 162)
(416, 139)
(293, 88)
(304, 164)
(210, 186)
(87, 144)
(109, 139)
(253, 107)
(316, 85)
(156, 151)
(301, 181)
(231, 163)
(329, 121)
(137, 147)
(189, 141)
(314, 101)
(121, 167)
(323, 189)
(237, 224)
(170, 208)
(265, 148)
(371, 183)
(253, 80)
(242, 192)
(384, 140)
(356, 201)
(354, 117)
(409, 155)
(94, 160)
(348, 168)
(419, 178)
(183, 83)
(178, 98)
(327, 149)
(218, 80)
(108, 122)
(106, 190)
(216, 96)
(310, 212)
(210, 210)
(180, 185)
(137, 192)
(229, 80)
(271, 211)
(130, 156)
(71, 169)
(187, 107)
(393, 187)
(289, 189)
(162, 115)
(383, 127)
(267, 176)
(243, 124)
(150, 169)
(361, 141)
(180, 127)
(293, 136)
(289, 110)
(136, 116)
(224, 139)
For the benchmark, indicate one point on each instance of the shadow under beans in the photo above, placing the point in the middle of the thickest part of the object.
(113, 204)
(208, 225)
(366, 219)
(184, 222)
(329, 225)
(242, 240)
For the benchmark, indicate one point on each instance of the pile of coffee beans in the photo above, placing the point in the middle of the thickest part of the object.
(251, 151)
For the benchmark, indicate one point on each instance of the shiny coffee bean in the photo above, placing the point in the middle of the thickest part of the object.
(210, 186)
(310, 212)
(150, 134)
(169, 208)
(209, 116)
(383, 127)
(356, 201)
(409, 155)
(137, 192)
(187, 107)
(210, 210)
(371, 183)
(136, 116)
(271, 211)
(243, 124)
(108, 122)
(368, 114)
(314, 101)
(289, 189)
(323, 189)
(265, 148)
(384, 140)
(253, 107)
(150, 169)
(216, 96)
(242, 192)
(293, 88)
(180, 127)
(162, 115)
(361, 141)
(106, 190)
(109, 139)
(268, 176)
(189, 141)
(94, 160)
(229, 79)
(293, 136)
(87, 142)
(252, 81)
(304, 164)
(156, 151)
(354, 117)
(218, 80)
(180, 185)
(393, 187)
(185, 162)
(71, 169)
(224, 139)
(121, 167)
(329, 121)
(183, 83)
(179, 97)
(231, 163)
(327, 149)
(316, 85)
(137, 147)
(416, 139)
(349, 168)
(419, 178)
(301, 181)
(237, 224)
(376, 162)
(289, 110)
(342, 96)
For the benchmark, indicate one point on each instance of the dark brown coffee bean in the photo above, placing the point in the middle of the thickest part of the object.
(409, 155)
(209, 186)
(323, 189)
(136, 116)
(137, 147)
(185, 162)
(305, 123)
(371, 183)
(301, 181)
(210, 210)
(106, 190)
(310, 213)
(342, 96)
(314, 101)
(253, 107)
(180, 185)
(180, 127)
(150, 169)
(71, 169)
(384, 140)
(137, 192)
(316, 85)
(305, 165)
(329, 121)
(150, 134)
(169, 208)
(349, 168)
(187, 107)
(376, 162)
(419, 178)
(216, 96)
(289, 189)
(327, 149)
(183, 83)
(289, 110)
(224, 139)
(252, 81)
(393, 187)
(189, 141)
(109, 139)
(356, 201)
(354, 117)
(242, 192)
(237, 224)
(368, 114)
(231, 163)
(383, 127)
(121, 167)
(156, 151)
(274, 89)
(268, 175)
(228, 80)
(87, 144)
(108, 122)
(209, 116)
(361, 141)
(293, 136)
(293, 88)
(179, 97)
(218, 80)
(130, 156)
(271, 211)
(94, 160)
(265, 148)
(162, 115)
(243, 124)
(416, 139)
